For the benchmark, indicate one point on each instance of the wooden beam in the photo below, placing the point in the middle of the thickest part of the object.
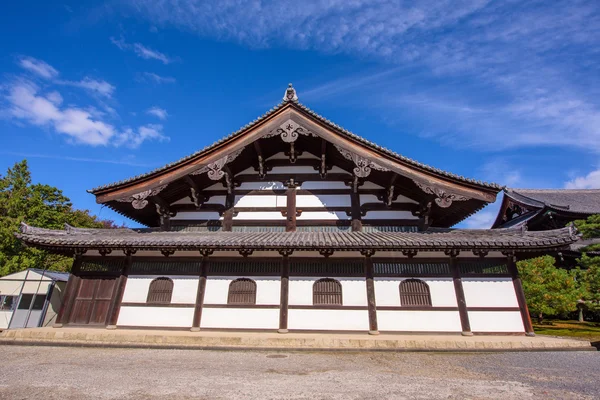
(201, 290)
(228, 213)
(196, 195)
(323, 164)
(373, 330)
(284, 291)
(521, 300)
(290, 225)
(115, 308)
(262, 170)
(163, 211)
(355, 206)
(460, 294)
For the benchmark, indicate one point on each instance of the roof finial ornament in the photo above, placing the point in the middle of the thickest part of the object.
(290, 94)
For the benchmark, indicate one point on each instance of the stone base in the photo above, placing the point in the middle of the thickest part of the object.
(57, 325)
(195, 329)
(111, 327)
(373, 332)
(530, 334)
(282, 331)
(467, 333)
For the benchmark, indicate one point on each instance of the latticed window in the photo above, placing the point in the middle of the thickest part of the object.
(161, 291)
(414, 292)
(242, 291)
(327, 292)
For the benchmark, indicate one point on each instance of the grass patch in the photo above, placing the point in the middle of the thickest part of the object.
(573, 329)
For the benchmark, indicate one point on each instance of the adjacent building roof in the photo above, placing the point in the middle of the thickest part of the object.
(582, 201)
(432, 239)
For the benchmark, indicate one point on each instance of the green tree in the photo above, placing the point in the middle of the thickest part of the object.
(39, 205)
(549, 290)
(589, 276)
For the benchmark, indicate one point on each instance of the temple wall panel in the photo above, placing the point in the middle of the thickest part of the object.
(267, 289)
(201, 215)
(387, 291)
(354, 292)
(496, 321)
(489, 292)
(418, 321)
(240, 318)
(184, 289)
(323, 215)
(174, 317)
(337, 320)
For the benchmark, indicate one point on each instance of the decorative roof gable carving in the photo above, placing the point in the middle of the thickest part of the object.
(138, 200)
(443, 199)
(363, 165)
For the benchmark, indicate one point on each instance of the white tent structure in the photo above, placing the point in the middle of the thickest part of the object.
(31, 298)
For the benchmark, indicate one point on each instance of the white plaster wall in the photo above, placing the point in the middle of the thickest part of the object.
(322, 200)
(184, 289)
(156, 316)
(5, 318)
(418, 321)
(489, 292)
(256, 215)
(261, 186)
(387, 291)
(496, 321)
(340, 320)
(354, 291)
(371, 198)
(311, 185)
(217, 289)
(197, 215)
(323, 215)
(389, 215)
(256, 201)
(240, 318)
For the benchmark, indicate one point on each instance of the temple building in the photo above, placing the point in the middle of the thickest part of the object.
(293, 223)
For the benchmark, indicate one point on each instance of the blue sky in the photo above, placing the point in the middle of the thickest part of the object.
(509, 92)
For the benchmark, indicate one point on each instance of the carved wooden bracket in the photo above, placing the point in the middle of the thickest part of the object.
(139, 200)
(410, 253)
(363, 165)
(284, 213)
(79, 252)
(168, 252)
(367, 252)
(104, 252)
(442, 198)
(510, 255)
(215, 169)
(452, 252)
(129, 252)
(326, 252)
(206, 252)
(480, 252)
(246, 252)
(285, 252)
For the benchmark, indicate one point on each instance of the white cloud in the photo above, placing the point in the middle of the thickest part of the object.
(38, 67)
(158, 112)
(589, 181)
(141, 50)
(134, 139)
(151, 76)
(481, 220)
(490, 74)
(26, 104)
(100, 87)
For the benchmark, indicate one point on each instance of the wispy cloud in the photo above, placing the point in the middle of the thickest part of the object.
(491, 74)
(152, 77)
(589, 181)
(158, 112)
(25, 102)
(38, 67)
(141, 51)
(76, 159)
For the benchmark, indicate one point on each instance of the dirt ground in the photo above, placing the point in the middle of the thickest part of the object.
(76, 373)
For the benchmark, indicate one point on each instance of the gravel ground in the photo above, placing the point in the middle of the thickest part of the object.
(76, 373)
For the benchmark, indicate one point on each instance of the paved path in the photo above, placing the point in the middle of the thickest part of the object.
(76, 373)
(273, 340)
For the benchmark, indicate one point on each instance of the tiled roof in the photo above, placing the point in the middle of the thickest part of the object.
(329, 123)
(433, 239)
(581, 201)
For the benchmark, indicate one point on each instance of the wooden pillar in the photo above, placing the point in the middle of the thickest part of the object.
(373, 330)
(201, 290)
(514, 273)
(290, 223)
(355, 206)
(69, 295)
(228, 213)
(460, 294)
(113, 315)
(285, 289)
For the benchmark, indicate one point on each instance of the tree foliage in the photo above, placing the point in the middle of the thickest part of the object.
(590, 227)
(39, 205)
(589, 276)
(549, 290)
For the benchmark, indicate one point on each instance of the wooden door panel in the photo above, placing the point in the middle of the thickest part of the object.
(92, 302)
